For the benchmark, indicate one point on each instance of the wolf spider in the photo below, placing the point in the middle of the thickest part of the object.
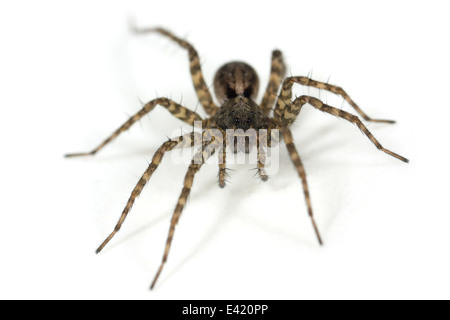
(235, 85)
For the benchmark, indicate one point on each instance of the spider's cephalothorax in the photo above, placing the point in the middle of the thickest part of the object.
(240, 116)
(236, 85)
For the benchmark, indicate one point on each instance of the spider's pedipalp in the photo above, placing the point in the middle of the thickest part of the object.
(200, 86)
(177, 110)
(181, 141)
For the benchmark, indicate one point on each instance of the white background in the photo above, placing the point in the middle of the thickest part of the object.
(71, 73)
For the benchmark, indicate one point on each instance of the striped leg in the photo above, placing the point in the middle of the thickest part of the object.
(182, 141)
(174, 108)
(287, 135)
(286, 94)
(222, 166)
(194, 167)
(291, 111)
(197, 77)
(262, 156)
(277, 72)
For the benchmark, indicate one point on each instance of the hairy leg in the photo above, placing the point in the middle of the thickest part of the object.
(174, 108)
(292, 110)
(261, 161)
(277, 72)
(222, 166)
(182, 141)
(197, 162)
(203, 93)
(286, 94)
(287, 135)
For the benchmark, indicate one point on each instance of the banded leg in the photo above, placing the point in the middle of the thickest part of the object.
(262, 156)
(287, 135)
(222, 165)
(292, 111)
(200, 86)
(174, 108)
(286, 94)
(182, 141)
(194, 167)
(277, 72)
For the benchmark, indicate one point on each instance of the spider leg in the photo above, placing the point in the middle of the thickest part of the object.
(197, 162)
(291, 111)
(181, 141)
(288, 82)
(174, 108)
(261, 154)
(261, 163)
(200, 86)
(295, 157)
(277, 72)
(222, 165)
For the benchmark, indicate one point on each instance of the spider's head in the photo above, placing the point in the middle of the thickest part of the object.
(240, 113)
(235, 79)
(241, 119)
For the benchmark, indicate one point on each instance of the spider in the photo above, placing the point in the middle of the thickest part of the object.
(235, 85)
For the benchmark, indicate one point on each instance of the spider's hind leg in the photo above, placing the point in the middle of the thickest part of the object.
(287, 112)
(203, 93)
(277, 72)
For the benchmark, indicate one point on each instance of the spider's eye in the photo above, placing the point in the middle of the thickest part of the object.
(236, 120)
(248, 120)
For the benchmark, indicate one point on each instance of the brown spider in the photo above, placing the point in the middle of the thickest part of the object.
(235, 85)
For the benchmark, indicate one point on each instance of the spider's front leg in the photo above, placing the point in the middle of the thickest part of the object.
(332, 88)
(199, 159)
(290, 114)
(286, 111)
(188, 140)
(177, 110)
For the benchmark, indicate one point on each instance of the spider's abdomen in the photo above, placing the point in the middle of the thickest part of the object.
(235, 79)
